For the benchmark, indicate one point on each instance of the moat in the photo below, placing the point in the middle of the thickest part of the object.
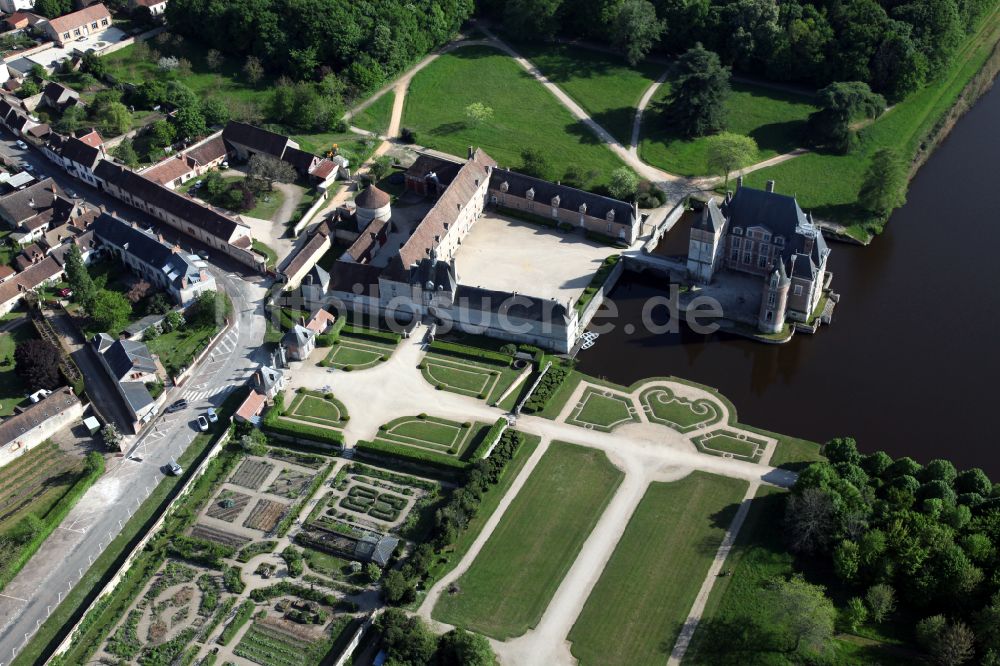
(908, 365)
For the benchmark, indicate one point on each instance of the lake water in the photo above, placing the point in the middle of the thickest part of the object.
(909, 364)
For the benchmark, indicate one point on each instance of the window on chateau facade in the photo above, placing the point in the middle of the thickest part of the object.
(762, 261)
(798, 290)
(746, 258)
(736, 254)
(770, 299)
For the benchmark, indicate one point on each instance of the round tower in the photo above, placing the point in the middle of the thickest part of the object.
(774, 300)
(372, 204)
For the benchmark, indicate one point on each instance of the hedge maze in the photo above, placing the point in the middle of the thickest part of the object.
(601, 409)
(731, 444)
(665, 407)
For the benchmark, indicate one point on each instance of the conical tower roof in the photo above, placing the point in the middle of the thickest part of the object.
(372, 198)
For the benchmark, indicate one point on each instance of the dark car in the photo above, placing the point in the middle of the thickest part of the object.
(177, 406)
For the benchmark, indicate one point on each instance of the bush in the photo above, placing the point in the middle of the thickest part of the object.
(282, 427)
(547, 387)
(423, 457)
(472, 353)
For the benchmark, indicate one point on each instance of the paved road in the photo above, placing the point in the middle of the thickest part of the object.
(108, 505)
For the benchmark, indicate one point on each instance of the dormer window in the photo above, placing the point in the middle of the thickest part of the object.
(738, 231)
(779, 241)
(504, 186)
(583, 209)
(530, 194)
(611, 215)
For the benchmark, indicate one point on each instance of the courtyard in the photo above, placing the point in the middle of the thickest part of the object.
(512, 256)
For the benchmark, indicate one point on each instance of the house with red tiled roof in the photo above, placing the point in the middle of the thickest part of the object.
(70, 27)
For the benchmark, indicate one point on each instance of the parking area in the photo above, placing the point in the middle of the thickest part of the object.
(513, 256)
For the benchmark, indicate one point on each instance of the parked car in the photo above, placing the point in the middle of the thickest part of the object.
(212, 416)
(175, 469)
(65, 292)
(202, 423)
(177, 406)
(21, 144)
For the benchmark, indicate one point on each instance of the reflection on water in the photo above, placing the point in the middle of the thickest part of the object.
(909, 364)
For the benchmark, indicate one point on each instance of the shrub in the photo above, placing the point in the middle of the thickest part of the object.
(423, 457)
(295, 429)
(473, 353)
(547, 387)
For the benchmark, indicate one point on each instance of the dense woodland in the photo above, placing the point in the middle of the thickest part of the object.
(365, 41)
(894, 45)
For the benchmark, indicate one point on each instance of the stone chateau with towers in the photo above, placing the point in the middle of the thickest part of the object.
(766, 234)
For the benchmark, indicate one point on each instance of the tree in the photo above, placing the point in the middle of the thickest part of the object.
(78, 277)
(955, 645)
(459, 647)
(809, 520)
(728, 152)
(397, 589)
(269, 169)
(139, 290)
(846, 559)
(636, 29)
(190, 122)
(624, 184)
(855, 614)
(168, 63)
(214, 59)
(93, 65)
(73, 118)
(215, 111)
(534, 163)
(53, 8)
(478, 113)
(802, 612)
(380, 167)
(973, 481)
(113, 119)
(406, 639)
(884, 186)
(373, 572)
(253, 69)
(173, 321)
(162, 134)
(112, 436)
(211, 309)
(110, 310)
(125, 153)
(840, 105)
(37, 363)
(533, 19)
(696, 106)
(881, 600)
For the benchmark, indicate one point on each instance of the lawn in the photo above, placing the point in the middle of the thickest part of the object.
(635, 611)
(775, 119)
(602, 410)
(736, 625)
(671, 410)
(478, 380)
(525, 116)
(731, 444)
(178, 348)
(267, 251)
(13, 391)
(356, 354)
(318, 408)
(795, 454)
(602, 83)
(828, 184)
(428, 432)
(509, 585)
(377, 116)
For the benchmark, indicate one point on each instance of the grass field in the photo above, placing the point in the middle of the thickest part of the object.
(478, 380)
(525, 114)
(735, 627)
(178, 348)
(828, 184)
(13, 392)
(317, 408)
(510, 583)
(602, 83)
(775, 119)
(635, 611)
(377, 116)
(430, 433)
(795, 454)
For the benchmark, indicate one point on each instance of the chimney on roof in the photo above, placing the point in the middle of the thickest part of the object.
(31, 202)
(302, 321)
(472, 152)
(770, 186)
(729, 196)
(739, 181)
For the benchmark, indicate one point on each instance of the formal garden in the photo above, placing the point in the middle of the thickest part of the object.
(319, 408)
(484, 378)
(432, 434)
(602, 409)
(353, 353)
(662, 405)
(731, 444)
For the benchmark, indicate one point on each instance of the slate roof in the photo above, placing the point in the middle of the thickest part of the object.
(127, 356)
(217, 224)
(58, 93)
(19, 206)
(136, 394)
(711, 218)
(81, 152)
(319, 277)
(347, 275)
(570, 198)
(298, 336)
(176, 267)
(34, 415)
(300, 159)
(208, 152)
(433, 275)
(425, 165)
(375, 547)
(308, 252)
(266, 377)
(516, 306)
(445, 210)
(256, 139)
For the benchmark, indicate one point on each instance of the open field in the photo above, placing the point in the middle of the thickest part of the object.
(377, 116)
(510, 583)
(635, 611)
(775, 119)
(602, 83)
(525, 114)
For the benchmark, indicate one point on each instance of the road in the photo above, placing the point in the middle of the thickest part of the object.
(63, 559)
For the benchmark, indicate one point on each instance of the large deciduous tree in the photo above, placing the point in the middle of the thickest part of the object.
(801, 612)
(267, 169)
(37, 363)
(728, 152)
(110, 310)
(884, 186)
(697, 103)
(841, 104)
(636, 29)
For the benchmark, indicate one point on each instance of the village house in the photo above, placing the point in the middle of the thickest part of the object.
(764, 234)
(193, 162)
(182, 275)
(298, 342)
(59, 97)
(78, 155)
(131, 366)
(269, 380)
(31, 426)
(246, 140)
(155, 7)
(80, 24)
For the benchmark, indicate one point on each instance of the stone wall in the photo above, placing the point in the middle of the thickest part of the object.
(622, 230)
(40, 433)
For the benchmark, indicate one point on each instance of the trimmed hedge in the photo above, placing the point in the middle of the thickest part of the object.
(289, 519)
(380, 448)
(372, 334)
(243, 614)
(474, 353)
(55, 516)
(597, 281)
(491, 436)
(550, 383)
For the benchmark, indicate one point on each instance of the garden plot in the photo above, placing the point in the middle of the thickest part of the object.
(731, 444)
(374, 498)
(296, 458)
(429, 433)
(290, 483)
(252, 473)
(477, 380)
(356, 354)
(200, 531)
(665, 407)
(265, 515)
(319, 408)
(367, 500)
(601, 409)
(228, 505)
